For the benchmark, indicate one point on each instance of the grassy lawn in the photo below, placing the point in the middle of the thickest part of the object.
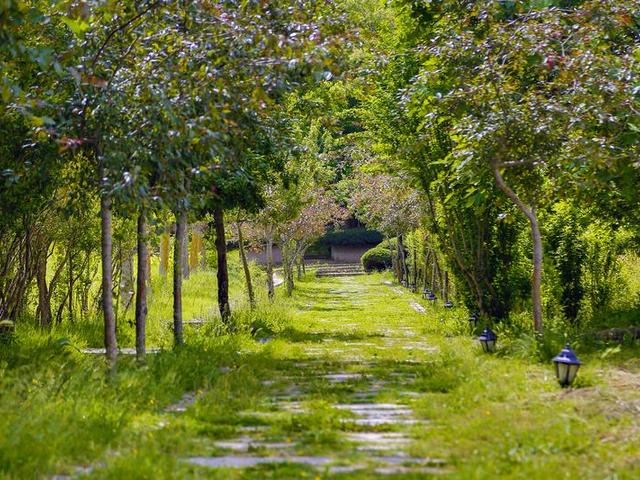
(303, 389)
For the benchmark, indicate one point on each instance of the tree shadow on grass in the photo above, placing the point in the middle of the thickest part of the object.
(295, 335)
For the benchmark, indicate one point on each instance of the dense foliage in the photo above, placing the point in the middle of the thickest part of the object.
(494, 142)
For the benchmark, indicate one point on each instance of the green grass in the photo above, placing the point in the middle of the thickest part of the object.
(487, 416)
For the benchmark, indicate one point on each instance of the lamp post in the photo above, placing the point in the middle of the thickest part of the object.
(473, 321)
(488, 340)
(567, 365)
(425, 293)
(431, 297)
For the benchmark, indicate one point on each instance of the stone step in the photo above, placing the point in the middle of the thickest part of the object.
(324, 272)
(340, 274)
(346, 267)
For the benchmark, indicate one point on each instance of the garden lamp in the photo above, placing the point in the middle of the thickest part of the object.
(567, 365)
(488, 340)
(448, 304)
(473, 320)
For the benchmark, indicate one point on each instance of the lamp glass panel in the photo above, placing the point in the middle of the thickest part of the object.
(563, 373)
(573, 371)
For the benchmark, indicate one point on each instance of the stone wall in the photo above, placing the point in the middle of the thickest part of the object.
(348, 254)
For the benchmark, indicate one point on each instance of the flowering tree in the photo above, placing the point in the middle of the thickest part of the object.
(390, 205)
(297, 235)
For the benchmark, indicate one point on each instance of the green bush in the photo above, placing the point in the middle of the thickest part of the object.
(377, 259)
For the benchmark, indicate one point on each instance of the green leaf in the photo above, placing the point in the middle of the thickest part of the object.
(77, 26)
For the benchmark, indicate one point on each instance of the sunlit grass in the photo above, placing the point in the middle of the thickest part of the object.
(487, 416)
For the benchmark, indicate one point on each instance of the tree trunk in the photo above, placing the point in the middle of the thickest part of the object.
(44, 300)
(141, 288)
(536, 236)
(164, 253)
(71, 282)
(401, 261)
(127, 280)
(178, 247)
(287, 266)
(394, 262)
(223, 271)
(110, 342)
(445, 287)
(433, 273)
(245, 266)
(415, 263)
(269, 248)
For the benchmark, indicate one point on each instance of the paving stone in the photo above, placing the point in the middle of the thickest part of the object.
(253, 428)
(340, 469)
(399, 470)
(121, 351)
(239, 461)
(417, 307)
(343, 377)
(378, 437)
(244, 444)
(181, 406)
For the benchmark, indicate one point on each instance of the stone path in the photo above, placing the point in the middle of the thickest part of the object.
(345, 378)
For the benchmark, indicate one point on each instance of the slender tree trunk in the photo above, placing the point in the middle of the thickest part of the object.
(425, 276)
(165, 240)
(245, 266)
(269, 249)
(223, 271)
(71, 282)
(536, 236)
(445, 287)
(415, 263)
(110, 342)
(141, 288)
(44, 300)
(394, 261)
(127, 280)
(287, 266)
(401, 260)
(178, 247)
(433, 273)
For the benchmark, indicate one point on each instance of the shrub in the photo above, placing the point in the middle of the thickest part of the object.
(377, 259)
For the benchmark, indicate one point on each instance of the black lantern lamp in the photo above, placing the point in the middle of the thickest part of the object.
(431, 297)
(473, 321)
(488, 340)
(567, 365)
(448, 304)
(425, 293)
(413, 288)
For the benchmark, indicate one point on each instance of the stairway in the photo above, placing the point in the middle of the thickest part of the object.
(339, 270)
